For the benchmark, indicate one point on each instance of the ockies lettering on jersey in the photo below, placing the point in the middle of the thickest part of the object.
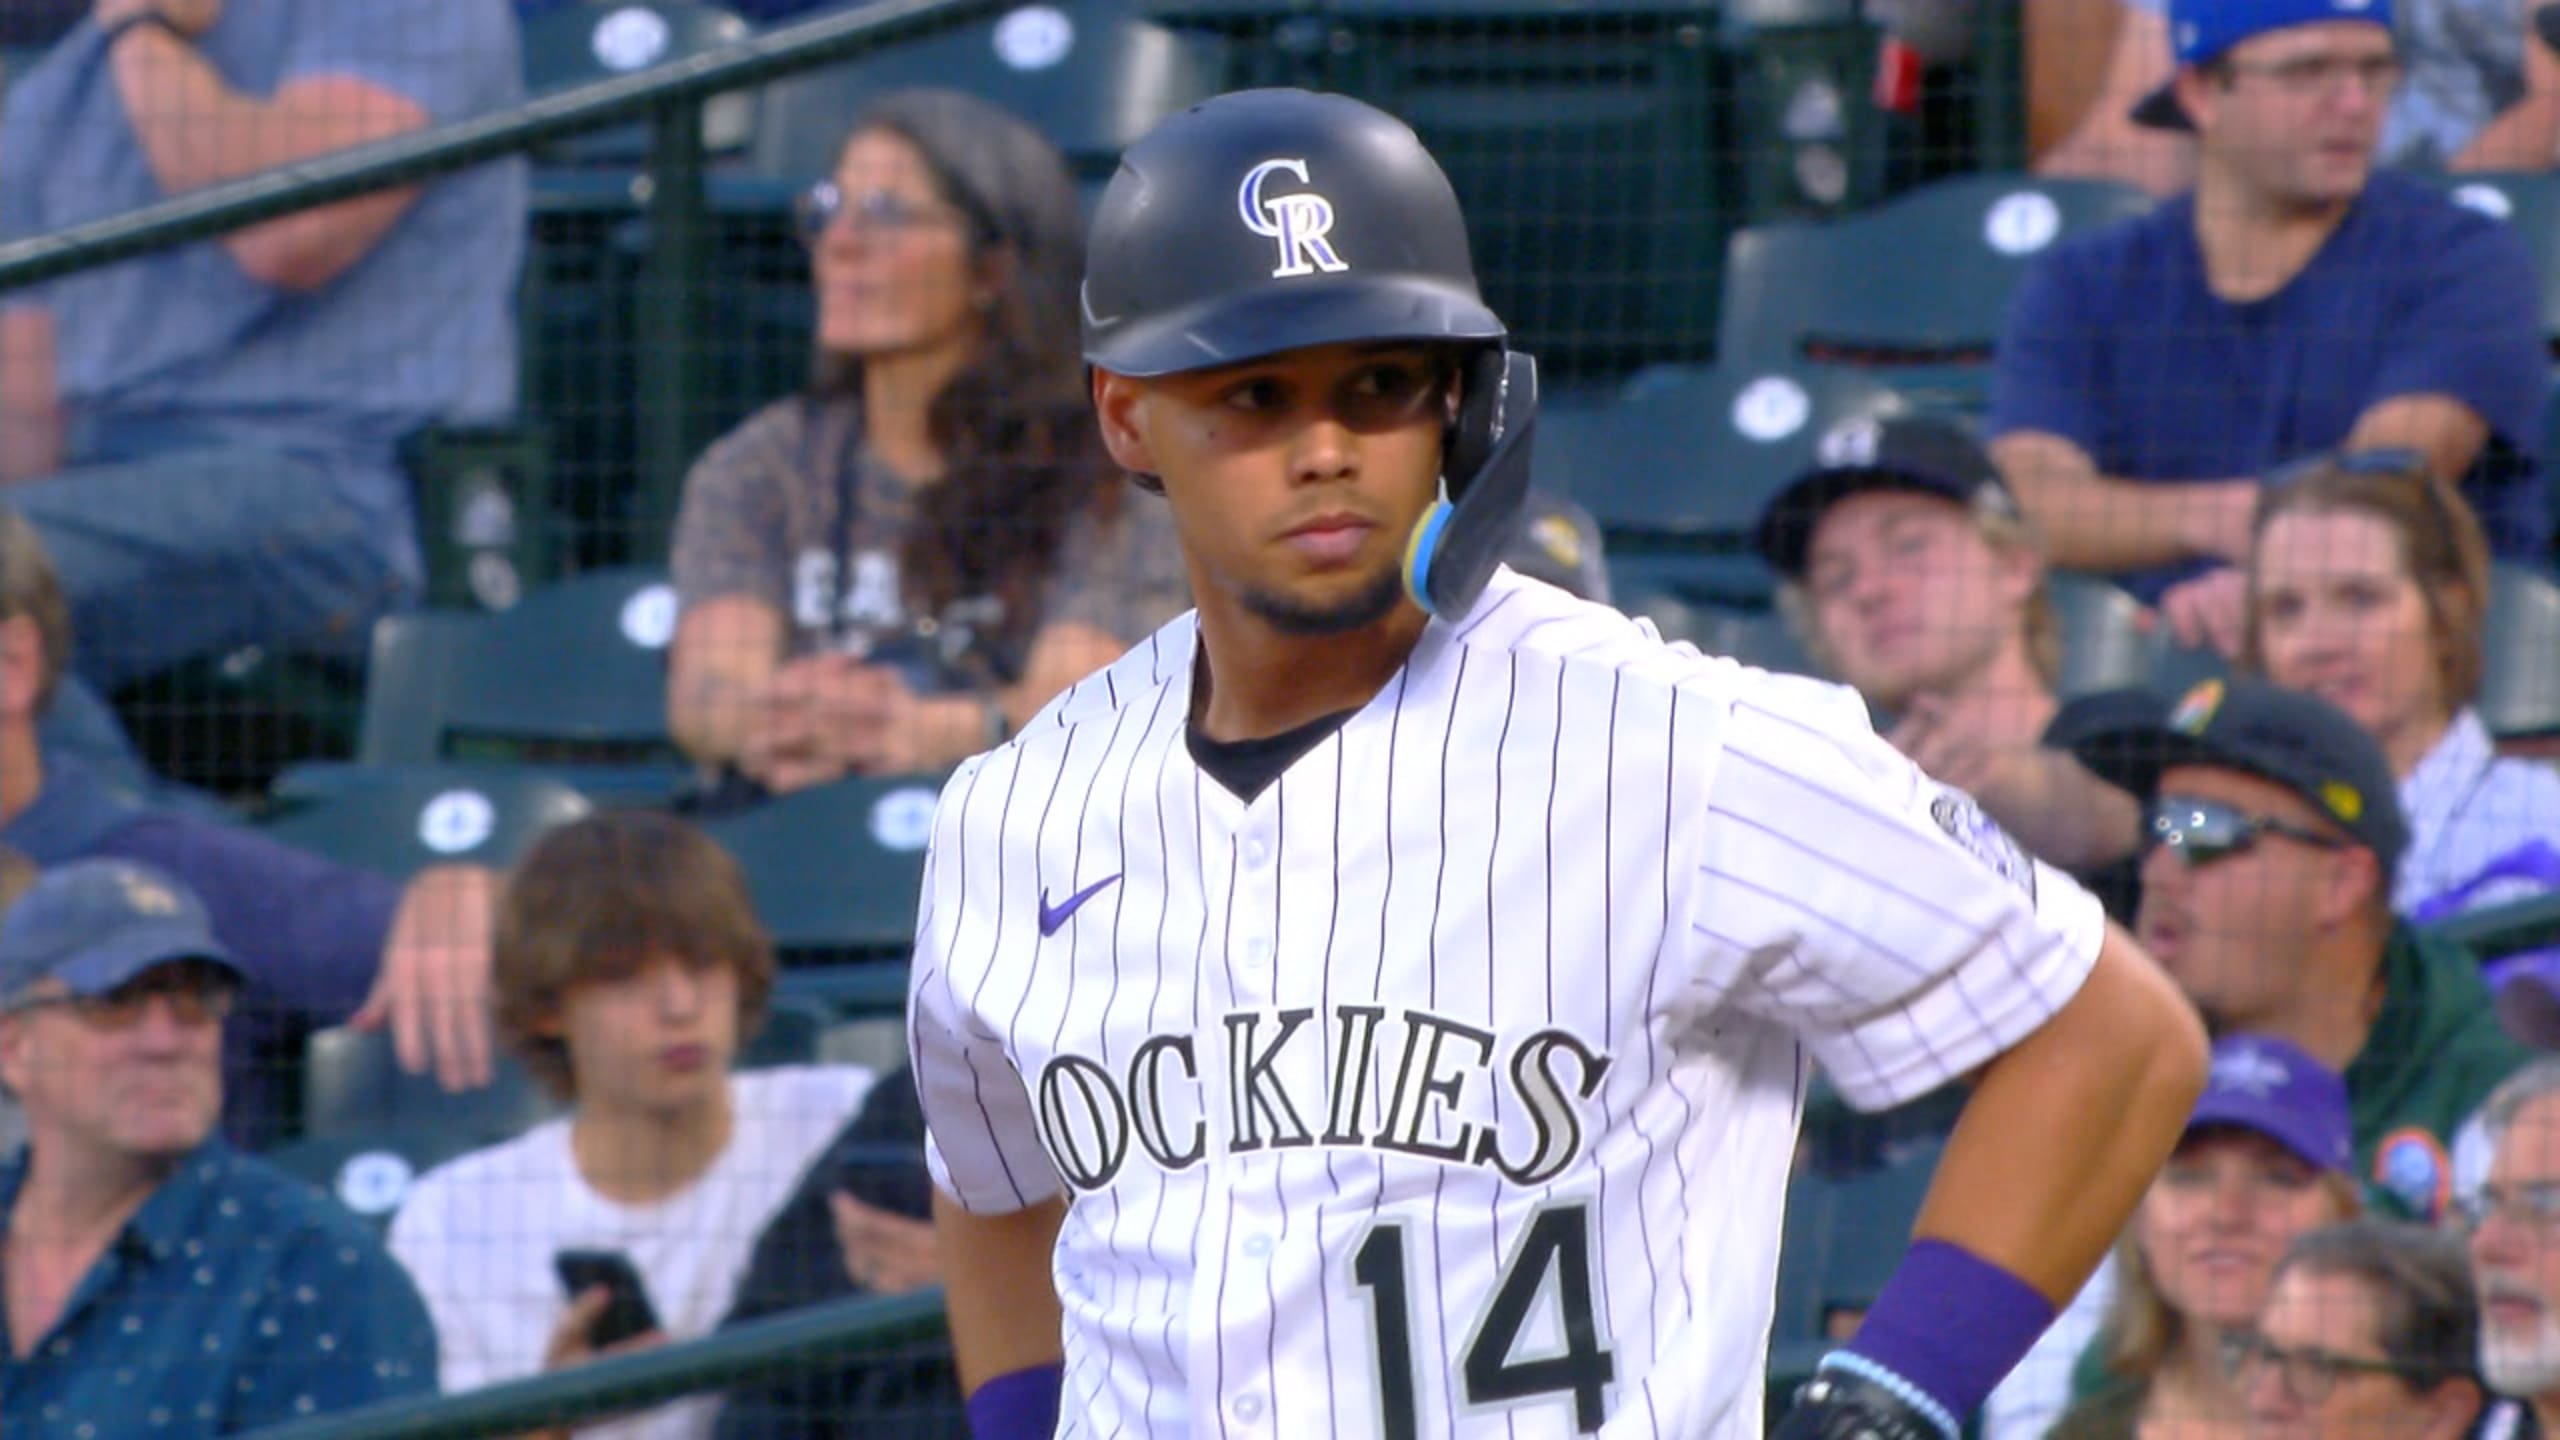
(1440, 1081)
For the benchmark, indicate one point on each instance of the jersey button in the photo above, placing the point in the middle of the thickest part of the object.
(1257, 1247)
(1256, 853)
(1257, 951)
(1247, 1408)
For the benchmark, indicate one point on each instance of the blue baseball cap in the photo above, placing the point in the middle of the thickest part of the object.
(2202, 30)
(95, 924)
(2263, 1084)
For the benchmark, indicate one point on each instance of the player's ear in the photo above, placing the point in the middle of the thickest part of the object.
(1116, 403)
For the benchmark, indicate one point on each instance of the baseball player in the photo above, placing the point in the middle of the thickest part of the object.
(1381, 1004)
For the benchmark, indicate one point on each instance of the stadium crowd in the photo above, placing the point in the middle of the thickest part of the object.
(2295, 411)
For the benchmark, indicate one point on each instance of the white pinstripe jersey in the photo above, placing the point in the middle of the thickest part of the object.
(1450, 1086)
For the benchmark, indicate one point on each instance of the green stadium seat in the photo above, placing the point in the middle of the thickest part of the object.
(352, 1085)
(1920, 282)
(370, 1172)
(571, 45)
(1845, 1233)
(1696, 451)
(2520, 688)
(1091, 75)
(2106, 635)
(1758, 637)
(411, 818)
(1587, 142)
(484, 512)
(574, 675)
(407, 684)
(836, 869)
(2530, 201)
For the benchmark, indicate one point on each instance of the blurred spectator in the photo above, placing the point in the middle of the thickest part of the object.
(1907, 569)
(892, 570)
(2368, 586)
(1560, 543)
(2275, 826)
(206, 436)
(630, 970)
(157, 1281)
(859, 1225)
(2265, 1158)
(321, 943)
(2475, 94)
(2292, 302)
(2371, 1329)
(2515, 1242)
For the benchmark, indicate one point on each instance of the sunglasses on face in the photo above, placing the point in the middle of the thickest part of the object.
(824, 205)
(2201, 831)
(2310, 1373)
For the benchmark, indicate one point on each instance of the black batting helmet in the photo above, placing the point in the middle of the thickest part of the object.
(1271, 220)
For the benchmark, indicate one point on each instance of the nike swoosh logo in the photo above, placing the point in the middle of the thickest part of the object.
(1053, 916)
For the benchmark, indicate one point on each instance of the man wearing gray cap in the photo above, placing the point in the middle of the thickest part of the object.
(155, 1280)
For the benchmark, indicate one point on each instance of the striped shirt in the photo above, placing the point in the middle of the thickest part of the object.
(1450, 1086)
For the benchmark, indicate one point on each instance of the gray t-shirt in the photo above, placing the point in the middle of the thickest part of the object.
(760, 518)
(421, 329)
(2465, 63)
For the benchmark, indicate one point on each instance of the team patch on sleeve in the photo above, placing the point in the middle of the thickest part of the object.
(1956, 813)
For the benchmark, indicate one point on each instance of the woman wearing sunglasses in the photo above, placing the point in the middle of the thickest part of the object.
(2371, 1328)
(2265, 1158)
(891, 570)
(2368, 583)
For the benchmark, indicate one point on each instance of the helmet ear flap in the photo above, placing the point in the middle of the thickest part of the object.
(1485, 471)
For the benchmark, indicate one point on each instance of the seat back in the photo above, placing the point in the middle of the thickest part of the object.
(2106, 635)
(402, 821)
(575, 672)
(1920, 281)
(1699, 450)
(1091, 75)
(2529, 201)
(835, 869)
(571, 45)
(2520, 687)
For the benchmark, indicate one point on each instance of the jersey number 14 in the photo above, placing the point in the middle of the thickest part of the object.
(1558, 1244)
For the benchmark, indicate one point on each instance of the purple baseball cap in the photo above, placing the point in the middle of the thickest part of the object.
(2269, 1086)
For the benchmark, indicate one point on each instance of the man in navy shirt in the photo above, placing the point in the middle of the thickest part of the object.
(157, 1282)
(2294, 301)
(321, 942)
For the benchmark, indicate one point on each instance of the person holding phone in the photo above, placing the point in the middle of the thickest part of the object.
(629, 969)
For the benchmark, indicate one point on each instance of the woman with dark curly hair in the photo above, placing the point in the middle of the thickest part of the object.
(893, 569)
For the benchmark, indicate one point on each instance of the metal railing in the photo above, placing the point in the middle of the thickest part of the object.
(620, 1383)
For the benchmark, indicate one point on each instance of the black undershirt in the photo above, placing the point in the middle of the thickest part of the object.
(1247, 767)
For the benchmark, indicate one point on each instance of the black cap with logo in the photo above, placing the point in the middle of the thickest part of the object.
(1917, 453)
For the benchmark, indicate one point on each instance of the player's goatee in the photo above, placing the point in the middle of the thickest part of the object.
(1364, 609)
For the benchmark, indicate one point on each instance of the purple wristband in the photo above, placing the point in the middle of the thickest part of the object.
(1017, 1405)
(1951, 1325)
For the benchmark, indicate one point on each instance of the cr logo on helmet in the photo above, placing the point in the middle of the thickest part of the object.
(1299, 222)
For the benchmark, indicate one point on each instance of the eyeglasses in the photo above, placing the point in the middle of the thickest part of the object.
(196, 995)
(2533, 1207)
(2308, 75)
(819, 208)
(2309, 1374)
(2204, 831)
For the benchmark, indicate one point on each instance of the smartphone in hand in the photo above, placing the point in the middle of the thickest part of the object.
(628, 1312)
